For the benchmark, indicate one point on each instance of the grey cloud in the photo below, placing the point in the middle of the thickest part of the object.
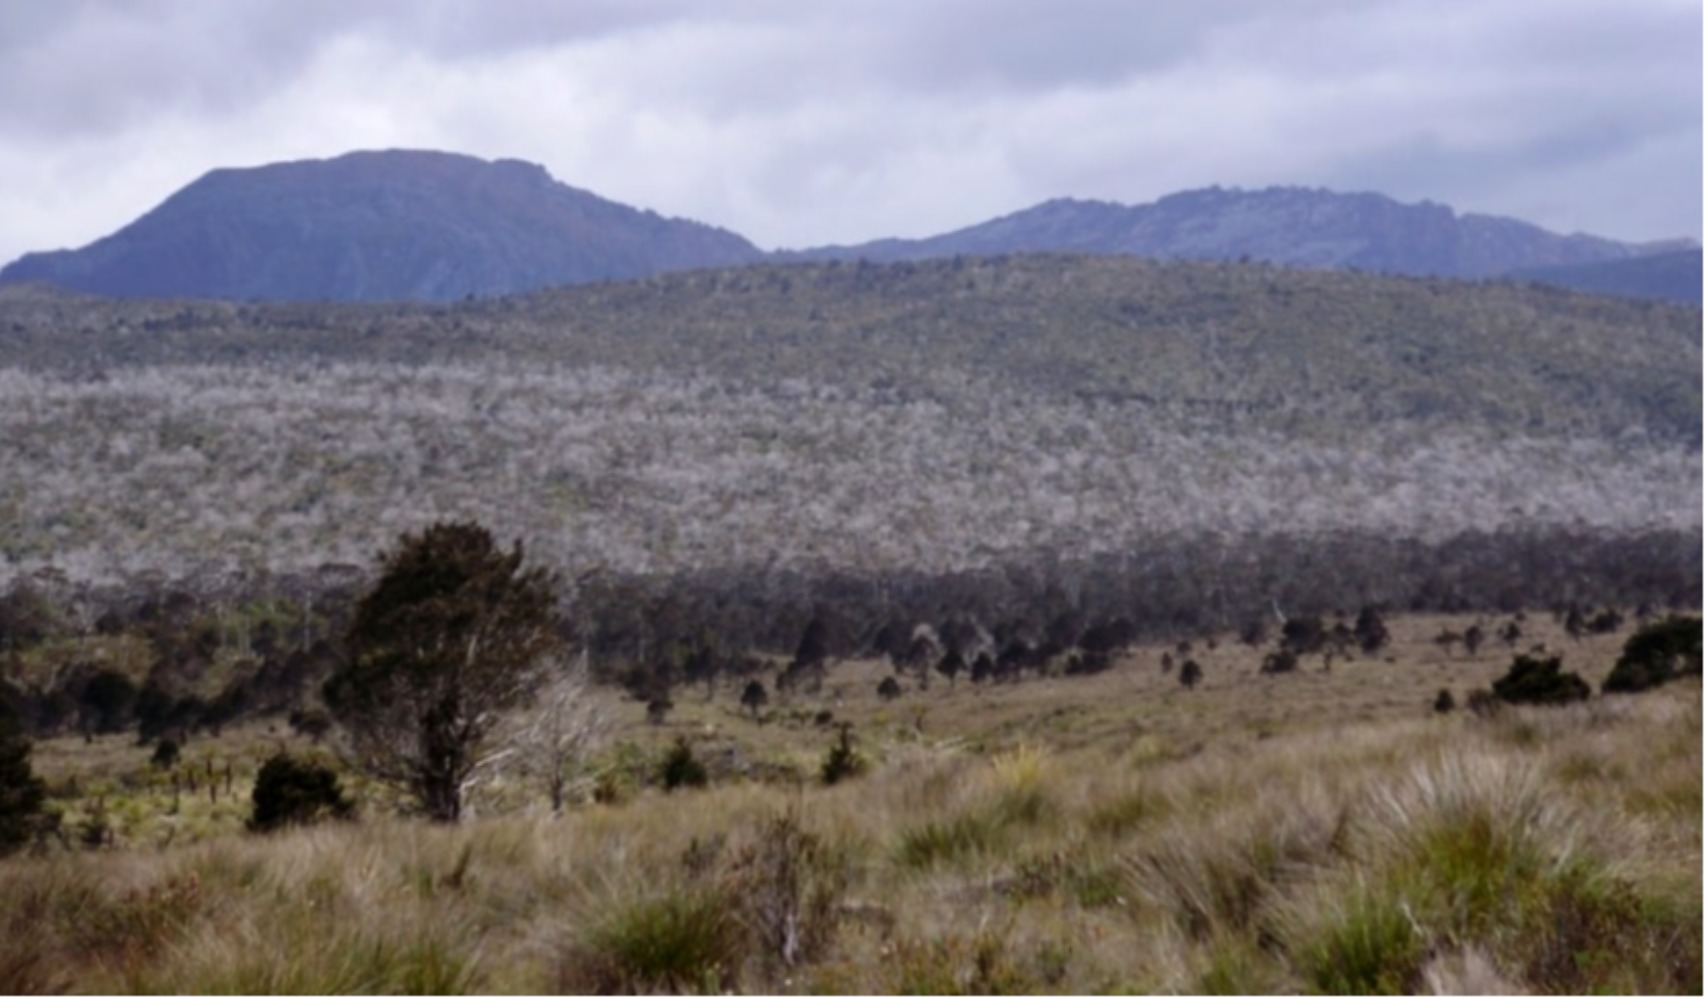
(806, 123)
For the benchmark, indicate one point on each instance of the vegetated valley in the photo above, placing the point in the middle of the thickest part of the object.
(1113, 625)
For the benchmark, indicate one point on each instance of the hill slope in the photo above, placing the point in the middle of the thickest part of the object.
(944, 414)
(375, 226)
(1286, 225)
(1674, 276)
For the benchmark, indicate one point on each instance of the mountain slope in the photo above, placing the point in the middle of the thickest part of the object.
(377, 226)
(1286, 225)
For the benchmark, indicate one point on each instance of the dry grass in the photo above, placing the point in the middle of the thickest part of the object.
(1317, 831)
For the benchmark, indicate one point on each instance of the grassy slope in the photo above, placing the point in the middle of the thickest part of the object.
(1317, 831)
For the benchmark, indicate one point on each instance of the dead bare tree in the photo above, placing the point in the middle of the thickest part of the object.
(568, 721)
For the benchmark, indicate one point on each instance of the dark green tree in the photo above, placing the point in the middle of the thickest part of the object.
(107, 700)
(22, 793)
(290, 791)
(1472, 639)
(1371, 632)
(754, 697)
(451, 637)
(1189, 674)
(951, 665)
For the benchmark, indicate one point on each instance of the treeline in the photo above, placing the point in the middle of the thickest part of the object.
(178, 658)
(1171, 588)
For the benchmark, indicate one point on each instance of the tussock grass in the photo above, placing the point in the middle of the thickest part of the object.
(1547, 850)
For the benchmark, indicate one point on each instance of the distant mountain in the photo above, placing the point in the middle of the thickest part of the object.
(432, 226)
(1673, 276)
(1286, 225)
(376, 226)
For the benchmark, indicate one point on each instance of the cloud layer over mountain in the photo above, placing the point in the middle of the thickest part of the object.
(806, 124)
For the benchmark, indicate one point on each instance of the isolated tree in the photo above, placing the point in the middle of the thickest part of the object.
(754, 697)
(1371, 632)
(1189, 674)
(1574, 622)
(951, 665)
(888, 689)
(448, 639)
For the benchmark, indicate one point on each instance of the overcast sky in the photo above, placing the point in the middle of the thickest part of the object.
(799, 124)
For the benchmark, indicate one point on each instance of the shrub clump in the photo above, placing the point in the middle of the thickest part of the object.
(1540, 681)
(166, 754)
(290, 791)
(790, 884)
(773, 905)
(680, 768)
(1656, 654)
(685, 939)
(843, 761)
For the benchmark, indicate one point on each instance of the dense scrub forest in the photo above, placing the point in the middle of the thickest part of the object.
(191, 492)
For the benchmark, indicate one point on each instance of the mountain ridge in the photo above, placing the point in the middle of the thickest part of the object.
(377, 226)
(1298, 226)
(411, 225)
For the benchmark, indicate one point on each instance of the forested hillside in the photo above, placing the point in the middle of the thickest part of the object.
(938, 415)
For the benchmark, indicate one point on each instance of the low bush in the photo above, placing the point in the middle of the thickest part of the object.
(290, 791)
(789, 883)
(680, 768)
(1540, 681)
(1657, 654)
(843, 761)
